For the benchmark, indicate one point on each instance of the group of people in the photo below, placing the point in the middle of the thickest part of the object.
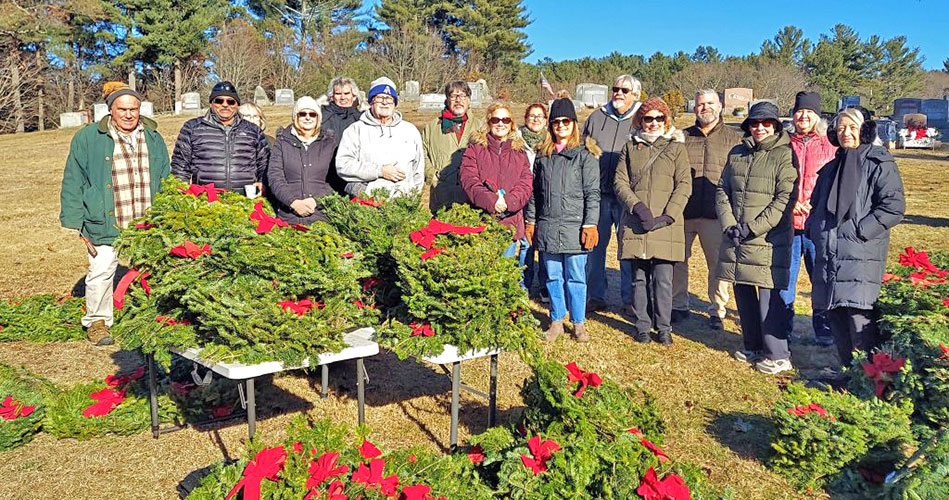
(761, 200)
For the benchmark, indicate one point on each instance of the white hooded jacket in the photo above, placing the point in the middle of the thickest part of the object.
(367, 145)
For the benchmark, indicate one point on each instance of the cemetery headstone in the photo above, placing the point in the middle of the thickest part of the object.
(848, 101)
(937, 112)
(690, 106)
(284, 97)
(479, 93)
(738, 98)
(191, 103)
(431, 102)
(260, 97)
(99, 110)
(411, 91)
(147, 109)
(905, 106)
(72, 120)
(592, 95)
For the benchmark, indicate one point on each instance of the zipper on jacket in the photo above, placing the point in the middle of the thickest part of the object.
(742, 210)
(227, 159)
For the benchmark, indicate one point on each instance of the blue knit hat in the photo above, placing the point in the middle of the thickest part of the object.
(385, 86)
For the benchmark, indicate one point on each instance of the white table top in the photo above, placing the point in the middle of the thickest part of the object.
(451, 355)
(358, 343)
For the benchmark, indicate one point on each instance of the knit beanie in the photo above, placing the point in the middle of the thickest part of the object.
(113, 90)
(307, 103)
(562, 108)
(385, 86)
(807, 100)
(854, 114)
(225, 89)
(651, 104)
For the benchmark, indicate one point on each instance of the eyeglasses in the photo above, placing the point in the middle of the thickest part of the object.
(307, 114)
(383, 99)
(561, 122)
(622, 89)
(458, 97)
(536, 118)
(650, 119)
(225, 101)
(760, 123)
(495, 120)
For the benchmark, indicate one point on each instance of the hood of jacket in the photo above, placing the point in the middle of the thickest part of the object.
(481, 137)
(287, 134)
(673, 135)
(367, 118)
(610, 111)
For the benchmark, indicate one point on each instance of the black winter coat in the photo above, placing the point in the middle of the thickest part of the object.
(297, 173)
(850, 258)
(335, 120)
(205, 153)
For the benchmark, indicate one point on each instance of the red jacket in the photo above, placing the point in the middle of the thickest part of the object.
(489, 165)
(811, 152)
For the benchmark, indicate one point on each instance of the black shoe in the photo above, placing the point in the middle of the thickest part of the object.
(679, 315)
(642, 337)
(714, 322)
(664, 338)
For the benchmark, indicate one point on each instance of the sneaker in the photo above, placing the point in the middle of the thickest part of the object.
(555, 330)
(98, 333)
(595, 305)
(773, 366)
(664, 338)
(642, 337)
(580, 332)
(715, 323)
(748, 356)
(679, 315)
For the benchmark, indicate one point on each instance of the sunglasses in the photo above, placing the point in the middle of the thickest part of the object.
(305, 114)
(225, 101)
(650, 119)
(622, 89)
(495, 120)
(561, 122)
(758, 123)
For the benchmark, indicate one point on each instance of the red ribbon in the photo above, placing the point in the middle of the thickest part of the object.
(370, 202)
(118, 296)
(335, 491)
(348, 255)
(106, 401)
(267, 463)
(673, 487)
(371, 476)
(145, 226)
(324, 468)
(358, 303)
(881, 366)
(813, 407)
(423, 329)
(368, 450)
(585, 378)
(476, 454)
(169, 321)
(541, 451)
(116, 381)
(945, 351)
(661, 455)
(265, 223)
(195, 190)
(12, 409)
(300, 227)
(428, 254)
(301, 307)
(370, 282)
(425, 236)
(919, 260)
(189, 249)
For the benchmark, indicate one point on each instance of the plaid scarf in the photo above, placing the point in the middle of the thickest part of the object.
(130, 175)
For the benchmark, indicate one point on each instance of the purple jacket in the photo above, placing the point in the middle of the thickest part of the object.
(489, 165)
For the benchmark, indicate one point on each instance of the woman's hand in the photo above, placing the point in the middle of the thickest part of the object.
(302, 207)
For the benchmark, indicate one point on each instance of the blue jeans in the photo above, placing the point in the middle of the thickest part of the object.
(802, 248)
(511, 250)
(566, 268)
(610, 211)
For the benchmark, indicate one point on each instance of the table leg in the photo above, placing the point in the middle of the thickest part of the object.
(455, 389)
(251, 409)
(326, 380)
(361, 390)
(493, 391)
(152, 394)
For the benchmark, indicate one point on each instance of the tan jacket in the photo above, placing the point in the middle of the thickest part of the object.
(443, 153)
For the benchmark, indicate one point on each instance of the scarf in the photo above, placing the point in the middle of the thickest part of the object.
(303, 140)
(843, 191)
(131, 184)
(531, 138)
(452, 123)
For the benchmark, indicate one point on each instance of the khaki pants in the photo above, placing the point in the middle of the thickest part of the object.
(709, 232)
(99, 286)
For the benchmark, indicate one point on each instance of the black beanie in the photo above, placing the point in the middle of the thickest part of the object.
(807, 100)
(562, 108)
(225, 89)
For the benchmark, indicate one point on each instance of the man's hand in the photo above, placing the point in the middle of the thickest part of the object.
(392, 173)
(302, 208)
(529, 233)
(589, 237)
(260, 189)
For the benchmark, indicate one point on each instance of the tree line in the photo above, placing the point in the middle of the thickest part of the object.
(55, 54)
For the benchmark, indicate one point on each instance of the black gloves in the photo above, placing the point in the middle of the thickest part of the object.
(738, 233)
(645, 216)
(662, 221)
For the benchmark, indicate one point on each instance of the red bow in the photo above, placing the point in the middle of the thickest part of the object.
(880, 368)
(348, 255)
(585, 378)
(417, 492)
(267, 463)
(145, 226)
(334, 492)
(370, 202)
(115, 381)
(118, 296)
(265, 223)
(661, 455)
(210, 190)
(425, 237)
(370, 282)
(168, 320)
(300, 227)
(428, 254)
(12, 409)
(945, 351)
(372, 477)
(919, 260)
(369, 450)
(541, 451)
(358, 303)
(423, 329)
(476, 454)
(671, 488)
(324, 468)
(106, 401)
(189, 249)
(813, 407)
(887, 277)
(921, 278)
(300, 308)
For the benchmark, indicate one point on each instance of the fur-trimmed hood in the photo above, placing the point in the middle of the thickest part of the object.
(480, 136)
(673, 134)
(592, 147)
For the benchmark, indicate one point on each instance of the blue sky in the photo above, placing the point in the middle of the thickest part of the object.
(574, 29)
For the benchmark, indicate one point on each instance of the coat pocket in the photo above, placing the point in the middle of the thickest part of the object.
(94, 206)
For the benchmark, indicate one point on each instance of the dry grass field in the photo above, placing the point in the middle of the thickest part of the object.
(702, 391)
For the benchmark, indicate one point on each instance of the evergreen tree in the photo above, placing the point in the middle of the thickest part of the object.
(788, 46)
(313, 21)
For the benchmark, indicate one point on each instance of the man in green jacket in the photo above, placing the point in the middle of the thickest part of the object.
(444, 140)
(114, 169)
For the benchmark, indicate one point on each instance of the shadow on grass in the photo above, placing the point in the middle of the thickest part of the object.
(746, 434)
(924, 220)
(902, 154)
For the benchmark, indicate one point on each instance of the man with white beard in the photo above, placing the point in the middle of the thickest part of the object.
(708, 143)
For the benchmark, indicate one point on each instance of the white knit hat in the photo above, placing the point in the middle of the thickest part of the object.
(307, 103)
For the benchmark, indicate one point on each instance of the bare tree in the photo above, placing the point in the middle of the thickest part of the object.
(242, 56)
(415, 54)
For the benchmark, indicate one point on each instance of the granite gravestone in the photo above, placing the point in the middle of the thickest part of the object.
(592, 95)
(411, 91)
(284, 97)
(72, 120)
(99, 110)
(738, 98)
(431, 102)
(147, 109)
(260, 97)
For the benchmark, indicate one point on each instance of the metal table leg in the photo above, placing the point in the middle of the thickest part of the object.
(493, 391)
(251, 409)
(152, 394)
(326, 380)
(455, 389)
(361, 390)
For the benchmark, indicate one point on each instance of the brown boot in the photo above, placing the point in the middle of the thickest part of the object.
(555, 330)
(580, 332)
(98, 333)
